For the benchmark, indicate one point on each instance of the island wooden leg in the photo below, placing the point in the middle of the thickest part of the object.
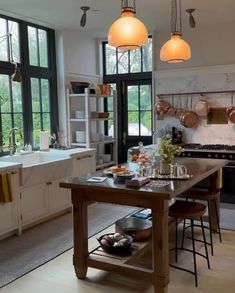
(80, 231)
(160, 246)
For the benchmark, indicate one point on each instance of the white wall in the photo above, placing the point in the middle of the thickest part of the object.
(79, 52)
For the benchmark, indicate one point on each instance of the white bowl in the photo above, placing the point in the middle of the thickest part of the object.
(80, 136)
(79, 114)
(106, 157)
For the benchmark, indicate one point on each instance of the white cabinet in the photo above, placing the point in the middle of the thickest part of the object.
(9, 215)
(83, 165)
(58, 198)
(33, 203)
(89, 126)
(42, 200)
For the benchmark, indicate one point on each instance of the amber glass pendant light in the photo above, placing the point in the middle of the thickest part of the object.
(128, 32)
(175, 50)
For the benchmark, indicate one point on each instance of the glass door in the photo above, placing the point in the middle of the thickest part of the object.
(137, 114)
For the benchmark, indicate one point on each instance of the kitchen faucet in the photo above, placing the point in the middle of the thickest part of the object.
(12, 146)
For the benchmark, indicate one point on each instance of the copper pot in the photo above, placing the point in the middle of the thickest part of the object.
(141, 229)
(201, 108)
(161, 107)
(105, 89)
(230, 111)
(189, 119)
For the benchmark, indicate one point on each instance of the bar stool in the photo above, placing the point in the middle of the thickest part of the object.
(210, 197)
(190, 211)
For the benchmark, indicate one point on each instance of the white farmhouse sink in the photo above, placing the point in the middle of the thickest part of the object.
(39, 167)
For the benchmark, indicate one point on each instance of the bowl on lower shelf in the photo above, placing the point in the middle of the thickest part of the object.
(140, 228)
(122, 244)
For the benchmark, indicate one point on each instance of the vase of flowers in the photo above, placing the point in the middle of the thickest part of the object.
(167, 150)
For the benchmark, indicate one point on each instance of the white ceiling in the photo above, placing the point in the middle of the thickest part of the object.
(66, 14)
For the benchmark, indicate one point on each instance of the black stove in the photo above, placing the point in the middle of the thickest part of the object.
(213, 151)
(199, 146)
(216, 151)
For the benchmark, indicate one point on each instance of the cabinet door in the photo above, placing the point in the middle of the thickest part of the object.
(58, 198)
(9, 216)
(83, 166)
(33, 203)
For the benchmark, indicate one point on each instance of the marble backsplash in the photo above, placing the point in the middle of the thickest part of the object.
(204, 133)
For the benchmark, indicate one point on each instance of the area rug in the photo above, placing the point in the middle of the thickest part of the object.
(22, 254)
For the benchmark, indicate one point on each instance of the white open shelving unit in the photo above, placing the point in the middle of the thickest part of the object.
(94, 127)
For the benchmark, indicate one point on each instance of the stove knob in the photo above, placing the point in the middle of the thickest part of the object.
(216, 155)
(223, 156)
(189, 154)
(230, 157)
(209, 155)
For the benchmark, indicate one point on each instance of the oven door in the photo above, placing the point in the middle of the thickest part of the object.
(228, 189)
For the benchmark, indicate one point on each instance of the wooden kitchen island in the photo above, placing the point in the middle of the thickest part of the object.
(147, 197)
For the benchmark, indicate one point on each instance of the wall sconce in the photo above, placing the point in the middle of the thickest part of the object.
(175, 50)
(16, 75)
(128, 32)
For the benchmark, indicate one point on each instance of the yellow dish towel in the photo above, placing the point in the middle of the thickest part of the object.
(5, 188)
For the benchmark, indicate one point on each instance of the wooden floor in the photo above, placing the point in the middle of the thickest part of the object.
(58, 276)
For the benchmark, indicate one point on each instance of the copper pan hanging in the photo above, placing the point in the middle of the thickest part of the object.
(161, 107)
(230, 111)
(171, 111)
(189, 119)
(201, 108)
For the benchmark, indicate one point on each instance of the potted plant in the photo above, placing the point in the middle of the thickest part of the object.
(167, 150)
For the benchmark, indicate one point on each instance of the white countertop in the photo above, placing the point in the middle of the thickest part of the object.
(8, 166)
(74, 152)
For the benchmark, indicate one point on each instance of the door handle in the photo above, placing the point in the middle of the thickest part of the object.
(124, 138)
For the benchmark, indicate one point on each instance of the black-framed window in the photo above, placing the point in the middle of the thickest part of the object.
(32, 104)
(127, 62)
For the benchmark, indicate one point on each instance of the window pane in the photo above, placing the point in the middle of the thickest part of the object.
(145, 97)
(146, 123)
(17, 97)
(110, 55)
(14, 31)
(135, 61)
(4, 93)
(3, 40)
(35, 94)
(132, 97)
(33, 46)
(36, 129)
(42, 38)
(147, 56)
(122, 61)
(45, 95)
(110, 104)
(133, 123)
(6, 126)
(46, 122)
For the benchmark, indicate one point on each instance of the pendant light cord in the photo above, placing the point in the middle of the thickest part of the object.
(174, 16)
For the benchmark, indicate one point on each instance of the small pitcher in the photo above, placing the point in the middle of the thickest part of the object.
(178, 170)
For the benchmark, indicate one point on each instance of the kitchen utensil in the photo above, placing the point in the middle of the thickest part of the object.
(171, 111)
(161, 107)
(141, 228)
(189, 119)
(230, 111)
(201, 108)
(179, 110)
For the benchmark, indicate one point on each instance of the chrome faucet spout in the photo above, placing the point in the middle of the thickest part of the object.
(11, 146)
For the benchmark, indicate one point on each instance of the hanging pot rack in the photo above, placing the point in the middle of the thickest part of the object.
(202, 93)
